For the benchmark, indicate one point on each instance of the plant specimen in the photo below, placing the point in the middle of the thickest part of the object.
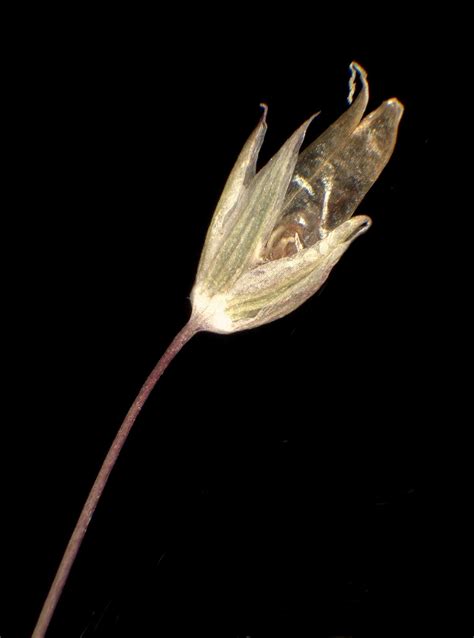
(274, 238)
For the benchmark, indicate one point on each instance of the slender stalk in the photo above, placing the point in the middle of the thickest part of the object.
(79, 532)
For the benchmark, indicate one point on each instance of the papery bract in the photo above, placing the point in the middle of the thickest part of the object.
(277, 233)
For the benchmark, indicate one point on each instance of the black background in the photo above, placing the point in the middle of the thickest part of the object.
(286, 481)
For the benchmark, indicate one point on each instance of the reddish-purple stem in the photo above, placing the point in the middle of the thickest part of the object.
(79, 532)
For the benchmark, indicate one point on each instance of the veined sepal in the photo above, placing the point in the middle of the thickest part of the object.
(273, 289)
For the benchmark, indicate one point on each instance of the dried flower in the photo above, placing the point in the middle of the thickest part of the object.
(277, 233)
(272, 242)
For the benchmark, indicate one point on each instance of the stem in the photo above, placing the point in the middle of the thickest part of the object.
(100, 482)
